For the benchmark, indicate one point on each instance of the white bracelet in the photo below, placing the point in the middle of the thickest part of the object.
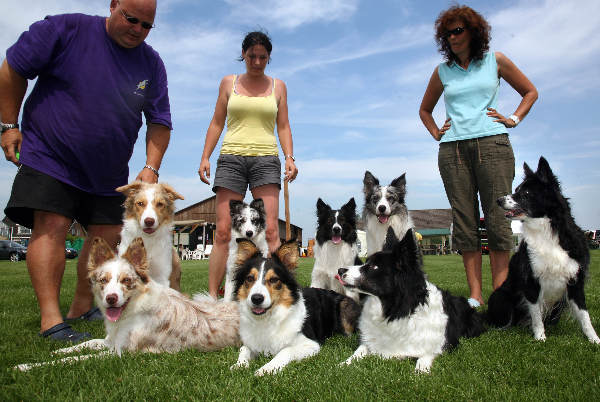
(515, 118)
(151, 168)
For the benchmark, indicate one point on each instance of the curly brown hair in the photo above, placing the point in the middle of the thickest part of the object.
(477, 26)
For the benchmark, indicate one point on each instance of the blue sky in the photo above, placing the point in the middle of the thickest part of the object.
(356, 72)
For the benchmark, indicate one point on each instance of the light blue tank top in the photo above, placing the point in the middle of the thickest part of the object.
(467, 95)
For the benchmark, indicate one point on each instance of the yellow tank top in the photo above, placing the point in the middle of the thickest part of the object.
(250, 124)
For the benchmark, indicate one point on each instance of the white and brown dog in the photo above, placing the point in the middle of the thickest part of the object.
(141, 315)
(148, 214)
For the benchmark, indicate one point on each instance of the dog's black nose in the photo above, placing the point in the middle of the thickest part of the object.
(249, 233)
(149, 222)
(342, 271)
(112, 298)
(381, 208)
(337, 230)
(257, 299)
(500, 201)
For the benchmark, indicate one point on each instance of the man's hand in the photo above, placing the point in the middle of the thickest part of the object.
(11, 144)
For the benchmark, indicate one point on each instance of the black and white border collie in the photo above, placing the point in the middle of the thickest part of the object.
(279, 318)
(550, 265)
(336, 245)
(384, 208)
(247, 222)
(404, 315)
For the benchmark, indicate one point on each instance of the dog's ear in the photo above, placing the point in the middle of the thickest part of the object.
(369, 181)
(136, 256)
(235, 207)
(288, 254)
(527, 170)
(399, 182)
(131, 188)
(349, 207)
(390, 239)
(100, 252)
(259, 205)
(322, 206)
(407, 251)
(246, 250)
(544, 172)
(172, 194)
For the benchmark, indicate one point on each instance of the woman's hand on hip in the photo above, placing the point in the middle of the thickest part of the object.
(443, 130)
(204, 171)
(508, 123)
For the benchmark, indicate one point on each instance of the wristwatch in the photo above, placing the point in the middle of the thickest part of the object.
(290, 156)
(8, 126)
(514, 118)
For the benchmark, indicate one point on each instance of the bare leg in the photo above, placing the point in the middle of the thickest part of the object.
(83, 299)
(46, 263)
(472, 263)
(218, 256)
(270, 196)
(499, 263)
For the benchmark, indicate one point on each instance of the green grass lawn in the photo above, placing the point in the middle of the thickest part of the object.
(500, 365)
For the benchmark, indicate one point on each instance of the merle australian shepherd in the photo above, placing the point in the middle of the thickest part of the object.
(336, 245)
(248, 221)
(549, 268)
(384, 208)
(277, 316)
(404, 315)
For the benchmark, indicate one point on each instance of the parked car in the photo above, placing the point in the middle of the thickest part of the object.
(71, 253)
(10, 250)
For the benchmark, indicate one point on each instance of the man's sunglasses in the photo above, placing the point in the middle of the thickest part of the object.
(455, 32)
(134, 21)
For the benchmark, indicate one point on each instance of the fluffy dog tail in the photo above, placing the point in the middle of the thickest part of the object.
(501, 307)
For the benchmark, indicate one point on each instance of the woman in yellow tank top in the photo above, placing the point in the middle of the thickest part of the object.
(252, 104)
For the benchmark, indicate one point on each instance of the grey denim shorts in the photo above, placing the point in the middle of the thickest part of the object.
(479, 168)
(238, 173)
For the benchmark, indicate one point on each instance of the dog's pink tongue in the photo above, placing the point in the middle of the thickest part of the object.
(339, 278)
(336, 239)
(113, 313)
(383, 218)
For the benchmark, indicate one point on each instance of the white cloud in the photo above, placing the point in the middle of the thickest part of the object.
(290, 14)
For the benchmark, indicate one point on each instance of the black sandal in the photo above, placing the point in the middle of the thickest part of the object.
(64, 333)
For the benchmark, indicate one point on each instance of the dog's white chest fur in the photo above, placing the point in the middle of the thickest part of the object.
(419, 334)
(328, 258)
(550, 263)
(377, 231)
(158, 248)
(274, 331)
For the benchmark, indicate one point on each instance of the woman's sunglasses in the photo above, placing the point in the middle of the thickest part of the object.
(134, 21)
(455, 32)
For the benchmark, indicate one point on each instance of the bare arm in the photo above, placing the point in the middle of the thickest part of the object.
(285, 133)
(520, 83)
(430, 99)
(12, 92)
(157, 141)
(215, 128)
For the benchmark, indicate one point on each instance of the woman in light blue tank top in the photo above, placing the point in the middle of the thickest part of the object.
(475, 158)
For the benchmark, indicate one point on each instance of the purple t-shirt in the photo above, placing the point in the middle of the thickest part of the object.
(82, 118)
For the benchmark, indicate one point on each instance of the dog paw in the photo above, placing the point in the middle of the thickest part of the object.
(424, 365)
(266, 369)
(595, 340)
(540, 337)
(346, 362)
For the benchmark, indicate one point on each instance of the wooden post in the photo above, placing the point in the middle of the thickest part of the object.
(286, 197)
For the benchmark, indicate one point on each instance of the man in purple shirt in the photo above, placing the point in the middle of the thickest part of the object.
(95, 78)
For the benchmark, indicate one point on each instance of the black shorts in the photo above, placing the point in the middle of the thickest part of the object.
(36, 191)
(237, 173)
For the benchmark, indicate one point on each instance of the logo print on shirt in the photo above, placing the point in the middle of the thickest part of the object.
(141, 86)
